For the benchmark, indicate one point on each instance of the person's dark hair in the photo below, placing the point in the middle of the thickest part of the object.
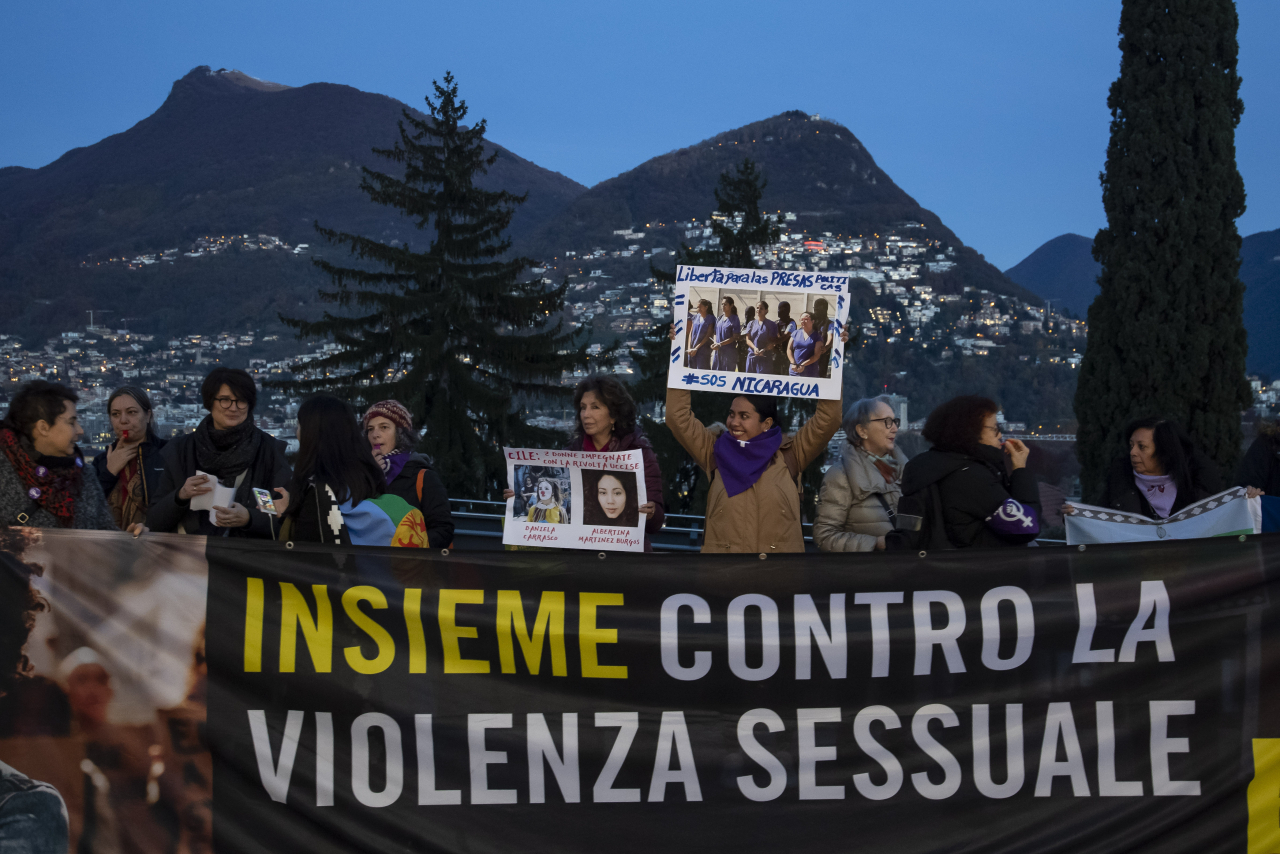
(765, 406)
(614, 395)
(784, 309)
(239, 381)
(764, 303)
(593, 513)
(733, 306)
(707, 303)
(19, 604)
(1173, 448)
(143, 401)
(957, 424)
(332, 451)
(820, 309)
(36, 401)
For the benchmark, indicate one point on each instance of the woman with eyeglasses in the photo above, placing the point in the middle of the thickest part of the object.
(227, 448)
(987, 495)
(859, 497)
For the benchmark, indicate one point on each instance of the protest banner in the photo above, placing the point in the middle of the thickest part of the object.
(1117, 699)
(575, 499)
(710, 304)
(1229, 513)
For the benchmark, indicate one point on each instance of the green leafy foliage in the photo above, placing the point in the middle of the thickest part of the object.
(451, 332)
(1165, 332)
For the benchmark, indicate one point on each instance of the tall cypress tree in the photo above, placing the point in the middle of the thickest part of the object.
(1166, 335)
(453, 332)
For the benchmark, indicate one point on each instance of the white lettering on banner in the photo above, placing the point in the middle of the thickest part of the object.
(1153, 603)
(878, 752)
(1060, 726)
(324, 759)
(832, 645)
(481, 759)
(1024, 618)
(1162, 745)
(428, 794)
(673, 734)
(563, 768)
(275, 775)
(1088, 618)
(770, 653)
(628, 724)
(1108, 785)
(879, 603)
(670, 637)
(1015, 771)
(811, 754)
(360, 760)
(927, 637)
(945, 758)
(757, 754)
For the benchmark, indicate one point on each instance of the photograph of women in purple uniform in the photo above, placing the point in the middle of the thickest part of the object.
(806, 348)
(698, 353)
(728, 328)
(761, 338)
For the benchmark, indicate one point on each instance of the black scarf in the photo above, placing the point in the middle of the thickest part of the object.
(226, 453)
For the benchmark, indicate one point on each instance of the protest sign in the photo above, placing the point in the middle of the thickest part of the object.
(1229, 513)
(575, 499)
(1111, 700)
(710, 307)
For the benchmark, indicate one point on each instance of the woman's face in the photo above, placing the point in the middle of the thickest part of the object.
(594, 415)
(59, 440)
(744, 421)
(991, 432)
(762, 311)
(229, 409)
(704, 309)
(1142, 452)
(381, 433)
(544, 491)
(806, 323)
(128, 419)
(727, 308)
(877, 438)
(613, 498)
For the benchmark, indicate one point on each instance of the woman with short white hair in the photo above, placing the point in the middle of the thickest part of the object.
(860, 494)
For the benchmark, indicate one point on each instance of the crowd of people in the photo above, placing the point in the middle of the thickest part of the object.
(756, 344)
(358, 480)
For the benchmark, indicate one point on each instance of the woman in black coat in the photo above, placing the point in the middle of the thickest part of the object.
(983, 502)
(389, 428)
(1162, 473)
(1260, 467)
(130, 469)
(231, 449)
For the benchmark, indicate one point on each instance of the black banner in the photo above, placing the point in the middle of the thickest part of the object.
(1110, 700)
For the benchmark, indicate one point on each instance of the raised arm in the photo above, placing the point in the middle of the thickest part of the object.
(691, 433)
(812, 438)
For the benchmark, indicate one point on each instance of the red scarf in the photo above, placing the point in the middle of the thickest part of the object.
(54, 489)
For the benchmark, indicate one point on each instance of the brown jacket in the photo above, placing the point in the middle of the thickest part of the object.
(766, 518)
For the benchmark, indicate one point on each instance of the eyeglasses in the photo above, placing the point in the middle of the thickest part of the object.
(231, 403)
(996, 429)
(889, 423)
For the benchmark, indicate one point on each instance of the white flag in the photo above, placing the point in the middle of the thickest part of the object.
(1226, 514)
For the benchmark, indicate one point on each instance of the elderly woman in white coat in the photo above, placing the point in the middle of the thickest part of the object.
(860, 494)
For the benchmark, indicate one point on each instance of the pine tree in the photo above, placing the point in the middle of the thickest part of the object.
(1166, 335)
(452, 332)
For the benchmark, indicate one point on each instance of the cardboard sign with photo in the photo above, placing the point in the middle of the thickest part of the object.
(774, 332)
(575, 499)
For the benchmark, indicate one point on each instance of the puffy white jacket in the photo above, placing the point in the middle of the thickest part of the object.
(850, 516)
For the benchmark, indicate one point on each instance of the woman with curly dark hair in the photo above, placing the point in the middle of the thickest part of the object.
(606, 423)
(1162, 473)
(33, 817)
(984, 502)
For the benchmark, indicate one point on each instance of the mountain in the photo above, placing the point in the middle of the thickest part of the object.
(224, 154)
(1064, 269)
(815, 168)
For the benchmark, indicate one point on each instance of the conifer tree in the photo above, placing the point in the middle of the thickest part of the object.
(452, 332)
(1166, 335)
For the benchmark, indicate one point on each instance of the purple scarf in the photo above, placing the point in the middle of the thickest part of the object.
(393, 464)
(741, 463)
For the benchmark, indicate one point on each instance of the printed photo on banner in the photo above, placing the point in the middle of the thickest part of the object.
(573, 499)
(774, 332)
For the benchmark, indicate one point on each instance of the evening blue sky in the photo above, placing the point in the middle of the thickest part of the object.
(993, 115)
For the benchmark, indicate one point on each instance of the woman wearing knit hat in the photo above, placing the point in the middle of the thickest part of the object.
(389, 429)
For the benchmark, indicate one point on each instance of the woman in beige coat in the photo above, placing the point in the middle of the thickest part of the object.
(861, 492)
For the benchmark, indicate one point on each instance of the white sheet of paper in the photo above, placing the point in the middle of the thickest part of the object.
(222, 496)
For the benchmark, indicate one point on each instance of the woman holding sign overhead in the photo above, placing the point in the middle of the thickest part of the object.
(753, 505)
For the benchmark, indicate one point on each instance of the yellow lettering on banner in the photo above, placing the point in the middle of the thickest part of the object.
(589, 636)
(254, 597)
(451, 632)
(317, 630)
(351, 600)
(550, 619)
(417, 639)
(1264, 797)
